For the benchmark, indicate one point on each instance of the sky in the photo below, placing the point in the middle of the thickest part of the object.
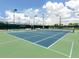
(23, 4)
(53, 9)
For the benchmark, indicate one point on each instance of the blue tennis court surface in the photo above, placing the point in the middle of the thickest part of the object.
(43, 38)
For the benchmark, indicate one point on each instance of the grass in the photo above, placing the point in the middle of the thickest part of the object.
(13, 47)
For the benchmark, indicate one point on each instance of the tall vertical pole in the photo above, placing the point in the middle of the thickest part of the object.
(14, 15)
(43, 20)
(34, 22)
(59, 20)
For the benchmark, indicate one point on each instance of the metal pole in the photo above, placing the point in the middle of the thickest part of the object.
(14, 15)
(34, 22)
(59, 20)
(43, 20)
(14, 18)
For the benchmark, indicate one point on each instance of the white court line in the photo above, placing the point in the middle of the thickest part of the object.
(52, 50)
(58, 40)
(41, 46)
(52, 36)
(38, 34)
(71, 50)
(46, 48)
(58, 52)
(31, 36)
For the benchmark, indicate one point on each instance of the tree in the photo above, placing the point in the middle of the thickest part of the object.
(70, 24)
(55, 25)
(73, 24)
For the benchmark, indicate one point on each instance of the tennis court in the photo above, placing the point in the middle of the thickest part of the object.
(39, 43)
(44, 38)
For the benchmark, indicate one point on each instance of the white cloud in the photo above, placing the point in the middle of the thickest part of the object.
(65, 12)
(18, 16)
(24, 17)
(36, 10)
(9, 14)
(53, 6)
(53, 9)
(31, 12)
(74, 4)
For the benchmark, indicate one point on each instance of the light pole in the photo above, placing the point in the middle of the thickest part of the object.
(15, 10)
(60, 21)
(34, 21)
(59, 17)
(27, 20)
(43, 20)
